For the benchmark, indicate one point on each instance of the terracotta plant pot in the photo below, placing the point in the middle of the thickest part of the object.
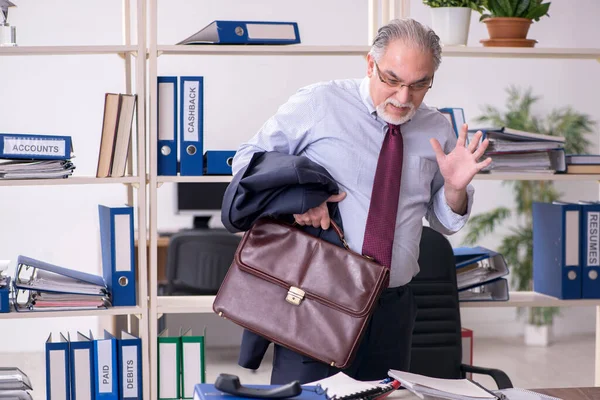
(507, 28)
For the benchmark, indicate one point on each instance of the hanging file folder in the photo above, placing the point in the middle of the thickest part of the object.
(118, 251)
(191, 127)
(556, 249)
(167, 125)
(58, 383)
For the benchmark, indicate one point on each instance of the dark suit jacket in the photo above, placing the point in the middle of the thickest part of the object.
(276, 185)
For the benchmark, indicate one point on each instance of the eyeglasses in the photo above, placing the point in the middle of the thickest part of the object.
(414, 87)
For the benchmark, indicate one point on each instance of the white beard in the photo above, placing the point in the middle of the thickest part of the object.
(391, 119)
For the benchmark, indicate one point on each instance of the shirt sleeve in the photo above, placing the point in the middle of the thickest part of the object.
(288, 131)
(442, 218)
(439, 214)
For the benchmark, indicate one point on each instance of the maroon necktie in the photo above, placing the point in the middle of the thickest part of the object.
(381, 221)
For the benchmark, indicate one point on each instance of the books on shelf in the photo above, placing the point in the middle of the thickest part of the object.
(583, 163)
(119, 111)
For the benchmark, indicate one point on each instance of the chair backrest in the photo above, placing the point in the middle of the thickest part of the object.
(197, 261)
(436, 343)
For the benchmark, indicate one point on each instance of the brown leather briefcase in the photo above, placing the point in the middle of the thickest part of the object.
(300, 291)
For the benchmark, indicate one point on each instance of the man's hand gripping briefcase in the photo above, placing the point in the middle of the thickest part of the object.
(300, 291)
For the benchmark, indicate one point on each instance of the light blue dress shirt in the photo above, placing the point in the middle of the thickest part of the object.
(335, 124)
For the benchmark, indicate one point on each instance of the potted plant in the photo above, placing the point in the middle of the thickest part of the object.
(450, 19)
(508, 21)
(517, 245)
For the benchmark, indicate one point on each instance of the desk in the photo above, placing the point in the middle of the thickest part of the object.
(592, 393)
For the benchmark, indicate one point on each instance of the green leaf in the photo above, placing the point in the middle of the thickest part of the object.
(505, 5)
(483, 224)
(538, 11)
(522, 8)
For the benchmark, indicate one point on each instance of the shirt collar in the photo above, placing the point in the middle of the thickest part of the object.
(365, 96)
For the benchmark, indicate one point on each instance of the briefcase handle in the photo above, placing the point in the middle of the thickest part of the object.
(340, 233)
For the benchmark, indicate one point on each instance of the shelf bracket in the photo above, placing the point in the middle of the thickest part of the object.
(159, 53)
(133, 184)
(159, 315)
(159, 184)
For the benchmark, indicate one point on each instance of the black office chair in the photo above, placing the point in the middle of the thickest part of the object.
(437, 343)
(197, 261)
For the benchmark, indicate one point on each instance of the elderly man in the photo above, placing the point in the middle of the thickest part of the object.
(395, 161)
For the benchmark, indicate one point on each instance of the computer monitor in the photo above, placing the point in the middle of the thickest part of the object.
(201, 200)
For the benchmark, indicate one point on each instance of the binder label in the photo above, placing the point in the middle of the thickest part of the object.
(34, 147)
(191, 91)
(593, 226)
(130, 371)
(105, 368)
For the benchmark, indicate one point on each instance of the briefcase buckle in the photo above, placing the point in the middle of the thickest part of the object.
(294, 296)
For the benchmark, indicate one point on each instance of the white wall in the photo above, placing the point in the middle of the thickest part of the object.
(64, 95)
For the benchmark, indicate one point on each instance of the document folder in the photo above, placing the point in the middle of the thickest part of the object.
(478, 265)
(39, 147)
(130, 367)
(590, 249)
(207, 391)
(192, 362)
(246, 32)
(32, 274)
(191, 127)
(5, 295)
(496, 290)
(12, 378)
(58, 371)
(556, 249)
(106, 378)
(169, 366)
(219, 162)
(118, 253)
(82, 359)
(167, 125)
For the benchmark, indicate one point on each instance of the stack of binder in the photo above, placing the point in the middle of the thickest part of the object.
(513, 150)
(14, 384)
(105, 368)
(41, 286)
(27, 156)
(180, 364)
(180, 123)
(566, 249)
(479, 274)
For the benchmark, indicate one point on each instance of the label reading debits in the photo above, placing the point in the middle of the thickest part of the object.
(45, 147)
(130, 371)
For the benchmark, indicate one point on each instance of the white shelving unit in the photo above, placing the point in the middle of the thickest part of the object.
(203, 304)
(134, 71)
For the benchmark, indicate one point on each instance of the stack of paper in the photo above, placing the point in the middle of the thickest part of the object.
(513, 150)
(35, 169)
(452, 389)
(14, 384)
(479, 274)
(342, 387)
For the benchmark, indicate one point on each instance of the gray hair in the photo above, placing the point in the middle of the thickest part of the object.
(412, 33)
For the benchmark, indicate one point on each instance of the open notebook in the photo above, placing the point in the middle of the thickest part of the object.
(343, 387)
